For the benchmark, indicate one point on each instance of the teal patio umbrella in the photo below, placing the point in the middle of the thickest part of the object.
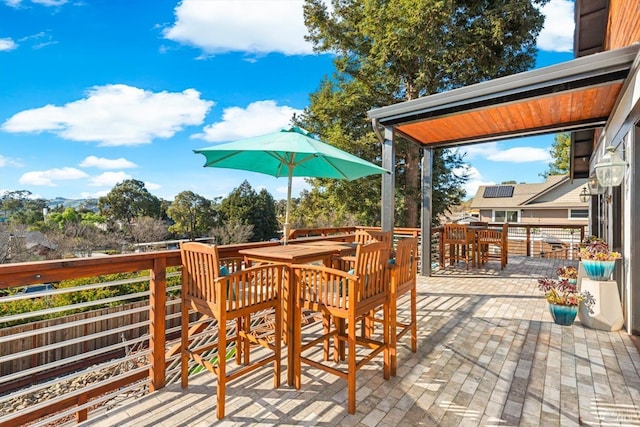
(289, 152)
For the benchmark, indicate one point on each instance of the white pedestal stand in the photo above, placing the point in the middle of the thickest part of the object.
(607, 310)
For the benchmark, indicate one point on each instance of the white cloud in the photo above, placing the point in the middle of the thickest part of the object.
(108, 179)
(102, 163)
(49, 177)
(254, 26)
(48, 3)
(8, 161)
(257, 119)
(7, 44)
(152, 186)
(490, 151)
(96, 195)
(474, 182)
(115, 115)
(557, 34)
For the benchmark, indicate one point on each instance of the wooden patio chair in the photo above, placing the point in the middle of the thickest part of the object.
(458, 244)
(237, 296)
(490, 238)
(344, 297)
(347, 262)
(404, 270)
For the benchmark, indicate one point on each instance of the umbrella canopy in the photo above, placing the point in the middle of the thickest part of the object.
(289, 152)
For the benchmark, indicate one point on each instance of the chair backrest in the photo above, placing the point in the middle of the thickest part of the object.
(368, 236)
(371, 266)
(457, 233)
(490, 236)
(200, 269)
(406, 261)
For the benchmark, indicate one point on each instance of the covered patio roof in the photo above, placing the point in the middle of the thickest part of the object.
(572, 96)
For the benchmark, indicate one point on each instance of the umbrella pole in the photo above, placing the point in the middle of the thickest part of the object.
(286, 218)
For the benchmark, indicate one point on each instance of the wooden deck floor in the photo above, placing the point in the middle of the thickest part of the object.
(488, 355)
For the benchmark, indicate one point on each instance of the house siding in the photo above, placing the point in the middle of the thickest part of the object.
(550, 216)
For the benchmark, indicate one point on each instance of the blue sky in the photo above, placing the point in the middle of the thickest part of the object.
(95, 92)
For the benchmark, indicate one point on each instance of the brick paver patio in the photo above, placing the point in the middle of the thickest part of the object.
(488, 354)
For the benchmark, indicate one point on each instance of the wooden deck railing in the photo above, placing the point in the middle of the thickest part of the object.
(146, 366)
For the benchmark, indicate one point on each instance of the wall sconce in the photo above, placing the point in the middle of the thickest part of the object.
(594, 187)
(585, 195)
(610, 169)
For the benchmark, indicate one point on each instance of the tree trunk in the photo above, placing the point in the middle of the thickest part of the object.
(413, 193)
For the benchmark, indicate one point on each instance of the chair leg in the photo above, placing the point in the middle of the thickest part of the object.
(184, 349)
(393, 337)
(414, 320)
(246, 325)
(340, 347)
(386, 331)
(222, 372)
(351, 357)
(277, 343)
(296, 347)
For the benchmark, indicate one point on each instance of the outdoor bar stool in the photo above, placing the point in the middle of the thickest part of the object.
(347, 262)
(490, 238)
(458, 244)
(247, 296)
(404, 269)
(344, 297)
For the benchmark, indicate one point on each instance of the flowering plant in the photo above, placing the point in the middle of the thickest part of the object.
(594, 248)
(568, 272)
(560, 292)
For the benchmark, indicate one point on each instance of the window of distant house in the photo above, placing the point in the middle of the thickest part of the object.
(506, 216)
(578, 213)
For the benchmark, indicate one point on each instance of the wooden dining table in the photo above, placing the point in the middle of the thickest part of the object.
(304, 253)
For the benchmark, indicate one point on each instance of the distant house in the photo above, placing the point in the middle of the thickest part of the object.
(555, 201)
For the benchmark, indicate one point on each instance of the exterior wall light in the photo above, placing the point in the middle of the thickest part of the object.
(610, 169)
(594, 187)
(585, 195)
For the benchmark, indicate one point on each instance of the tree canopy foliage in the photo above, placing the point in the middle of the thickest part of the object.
(193, 215)
(128, 200)
(389, 51)
(245, 206)
(560, 153)
(20, 208)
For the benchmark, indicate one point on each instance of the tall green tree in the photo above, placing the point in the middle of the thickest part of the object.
(193, 215)
(245, 206)
(264, 220)
(560, 153)
(129, 199)
(389, 51)
(19, 207)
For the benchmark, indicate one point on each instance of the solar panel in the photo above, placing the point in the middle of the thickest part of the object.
(497, 191)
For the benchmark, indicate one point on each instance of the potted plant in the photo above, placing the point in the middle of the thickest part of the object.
(569, 273)
(598, 260)
(563, 299)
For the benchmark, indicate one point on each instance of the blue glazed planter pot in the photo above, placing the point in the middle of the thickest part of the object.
(598, 270)
(563, 314)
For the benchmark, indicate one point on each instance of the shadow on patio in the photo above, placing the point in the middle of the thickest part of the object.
(488, 354)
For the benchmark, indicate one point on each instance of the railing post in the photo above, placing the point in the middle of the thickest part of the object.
(157, 316)
(528, 240)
